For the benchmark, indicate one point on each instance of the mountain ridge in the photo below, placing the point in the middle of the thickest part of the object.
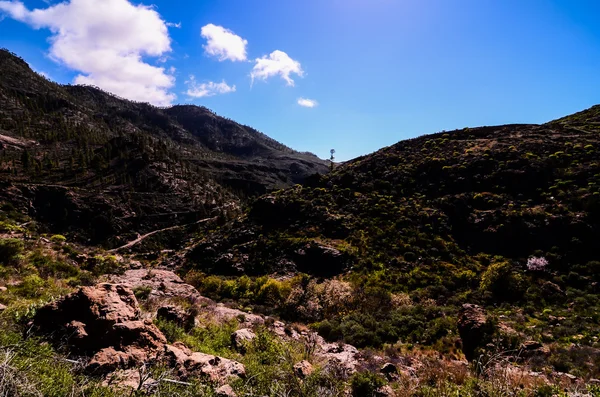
(80, 136)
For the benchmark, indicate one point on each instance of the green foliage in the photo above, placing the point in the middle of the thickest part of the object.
(58, 238)
(142, 292)
(32, 286)
(10, 249)
(502, 281)
(365, 384)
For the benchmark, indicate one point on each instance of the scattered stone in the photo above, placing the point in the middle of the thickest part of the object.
(343, 355)
(2, 307)
(193, 364)
(385, 391)
(3, 289)
(303, 369)
(533, 348)
(225, 391)
(241, 338)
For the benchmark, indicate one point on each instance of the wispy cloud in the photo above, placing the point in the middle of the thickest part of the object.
(207, 89)
(307, 103)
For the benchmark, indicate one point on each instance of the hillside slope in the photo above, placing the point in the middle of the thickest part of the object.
(505, 217)
(509, 190)
(81, 160)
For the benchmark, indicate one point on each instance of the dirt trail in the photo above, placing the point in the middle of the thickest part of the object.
(142, 237)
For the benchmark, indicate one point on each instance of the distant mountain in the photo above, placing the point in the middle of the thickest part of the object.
(80, 159)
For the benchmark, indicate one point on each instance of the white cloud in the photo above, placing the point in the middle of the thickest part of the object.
(174, 25)
(277, 63)
(307, 103)
(196, 90)
(223, 43)
(106, 41)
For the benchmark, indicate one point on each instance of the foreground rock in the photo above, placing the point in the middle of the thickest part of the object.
(104, 322)
(165, 284)
(474, 329)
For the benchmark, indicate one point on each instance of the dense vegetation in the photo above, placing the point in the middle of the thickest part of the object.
(506, 217)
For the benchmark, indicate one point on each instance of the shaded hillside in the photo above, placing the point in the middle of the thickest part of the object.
(507, 217)
(82, 160)
(509, 190)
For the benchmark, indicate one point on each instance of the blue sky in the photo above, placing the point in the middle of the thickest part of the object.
(379, 70)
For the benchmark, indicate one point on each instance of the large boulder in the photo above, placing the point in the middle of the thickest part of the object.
(474, 328)
(95, 318)
(104, 322)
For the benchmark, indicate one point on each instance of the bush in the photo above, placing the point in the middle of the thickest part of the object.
(365, 384)
(32, 286)
(502, 282)
(58, 238)
(142, 292)
(9, 249)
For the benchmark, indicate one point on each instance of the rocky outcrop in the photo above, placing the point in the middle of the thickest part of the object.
(474, 329)
(104, 322)
(95, 318)
(163, 284)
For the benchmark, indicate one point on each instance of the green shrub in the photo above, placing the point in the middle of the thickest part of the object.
(365, 384)
(58, 238)
(10, 248)
(32, 286)
(142, 292)
(502, 282)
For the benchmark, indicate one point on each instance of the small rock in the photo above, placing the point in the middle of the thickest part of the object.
(531, 345)
(2, 307)
(225, 391)
(385, 391)
(303, 369)
(241, 338)
(3, 289)
(389, 368)
(176, 315)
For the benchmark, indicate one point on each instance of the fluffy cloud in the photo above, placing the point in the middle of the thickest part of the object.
(307, 103)
(106, 41)
(196, 90)
(277, 63)
(223, 43)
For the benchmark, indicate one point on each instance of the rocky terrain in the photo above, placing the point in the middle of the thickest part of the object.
(461, 263)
